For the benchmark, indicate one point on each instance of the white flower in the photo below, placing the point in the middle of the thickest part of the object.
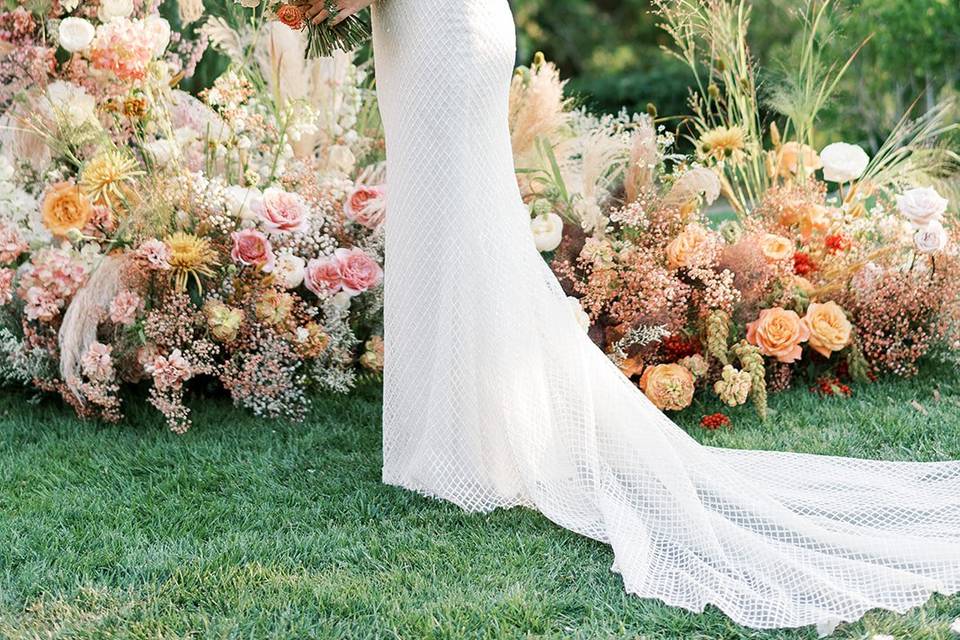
(921, 205)
(341, 300)
(241, 201)
(843, 162)
(162, 151)
(76, 34)
(547, 231)
(931, 239)
(110, 9)
(955, 627)
(341, 158)
(578, 313)
(69, 5)
(289, 270)
(70, 103)
(159, 31)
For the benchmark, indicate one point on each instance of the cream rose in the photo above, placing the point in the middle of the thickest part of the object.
(775, 248)
(289, 270)
(668, 386)
(110, 9)
(843, 162)
(686, 248)
(75, 34)
(547, 231)
(931, 239)
(778, 333)
(921, 206)
(829, 327)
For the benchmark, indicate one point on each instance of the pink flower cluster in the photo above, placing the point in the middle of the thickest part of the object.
(51, 279)
(12, 245)
(169, 371)
(124, 47)
(6, 285)
(97, 362)
(348, 270)
(124, 308)
(155, 254)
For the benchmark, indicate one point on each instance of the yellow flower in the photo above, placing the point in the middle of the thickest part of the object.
(721, 143)
(107, 177)
(224, 321)
(190, 257)
(775, 248)
(829, 327)
(668, 386)
(274, 307)
(65, 209)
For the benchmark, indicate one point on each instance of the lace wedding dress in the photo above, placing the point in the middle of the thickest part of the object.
(495, 397)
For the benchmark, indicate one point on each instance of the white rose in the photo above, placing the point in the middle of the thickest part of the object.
(241, 201)
(921, 205)
(931, 239)
(76, 34)
(110, 9)
(843, 162)
(289, 269)
(547, 231)
(159, 31)
(578, 313)
(70, 103)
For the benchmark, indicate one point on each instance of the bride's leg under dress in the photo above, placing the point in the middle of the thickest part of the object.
(495, 397)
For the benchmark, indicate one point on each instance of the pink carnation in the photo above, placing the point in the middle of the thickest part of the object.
(124, 308)
(366, 206)
(322, 276)
(252, 248)
(40, 304)
(281, 211)
(11, 244)
(97, 363)
(358, 270)
(6, 285)
(55, 271)
(124, 47)
(169, 371)
(156, 254)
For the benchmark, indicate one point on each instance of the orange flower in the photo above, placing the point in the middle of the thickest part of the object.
(632, 366)
(290, 15)
(65, 209)
(775, 248)
(794, 159)
(688, 247)
(778, 333)
(829, 327)
(814, 218)
(669, 386)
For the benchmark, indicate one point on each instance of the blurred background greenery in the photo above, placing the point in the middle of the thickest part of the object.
(611, 50)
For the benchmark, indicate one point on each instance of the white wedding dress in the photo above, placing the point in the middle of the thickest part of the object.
(495, 397)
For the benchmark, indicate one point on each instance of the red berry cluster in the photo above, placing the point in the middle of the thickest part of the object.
(802, 264)
(676, 347)
(836, 242)
(715, 421)
(831, 386)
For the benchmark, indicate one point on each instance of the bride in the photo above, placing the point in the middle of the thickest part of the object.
(495, 397)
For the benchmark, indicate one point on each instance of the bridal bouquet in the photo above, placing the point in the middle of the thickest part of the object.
(324, 38)
(756, 259)
(152, 239)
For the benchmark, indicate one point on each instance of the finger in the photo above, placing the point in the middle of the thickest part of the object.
(321, 16)
(343, 15)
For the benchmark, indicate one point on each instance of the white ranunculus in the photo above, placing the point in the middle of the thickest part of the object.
(921, 205)
(76, 34)
(70, 104)
(547, 231)
(159, 31)
(578, 313)
(289, 269)
(843, 162)
(931, 239)
(241, 201)
(110, 9)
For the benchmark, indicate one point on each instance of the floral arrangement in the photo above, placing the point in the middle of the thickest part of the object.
(750, 257)
(152, 238)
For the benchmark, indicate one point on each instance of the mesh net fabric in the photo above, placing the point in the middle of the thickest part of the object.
(495, 397)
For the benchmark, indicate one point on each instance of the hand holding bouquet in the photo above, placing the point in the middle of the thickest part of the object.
(330, 24)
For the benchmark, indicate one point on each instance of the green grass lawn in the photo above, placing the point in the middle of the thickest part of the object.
(249, 529)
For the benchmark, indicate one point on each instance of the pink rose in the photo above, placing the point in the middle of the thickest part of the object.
(358, 270)
(366, 206)
(281, 211)
(252, 248)
(6, 286)
(124, 308)
(323, 276)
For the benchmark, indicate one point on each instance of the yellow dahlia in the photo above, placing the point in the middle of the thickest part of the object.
(190, 257)
(105, 178)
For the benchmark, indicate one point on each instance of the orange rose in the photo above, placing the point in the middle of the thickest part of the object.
(290, 15)
(814, 218)
(669, 386)
(778, 333)
(687, 247)
(65, 209)
(829, 327)
(794, 159)
(775, 248)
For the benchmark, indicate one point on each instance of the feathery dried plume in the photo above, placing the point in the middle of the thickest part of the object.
(223, 37)
(538, 107)
(697, 182)
(644, 157)
(279, 53)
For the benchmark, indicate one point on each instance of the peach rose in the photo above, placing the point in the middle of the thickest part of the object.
(252, 248)
(366, 206)
(65, 209)
(669, 386)
(829, 327)
(684, 250)
(778, 333)
(794, 159)
(358, 270)
(775, 248)
(814, 218)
